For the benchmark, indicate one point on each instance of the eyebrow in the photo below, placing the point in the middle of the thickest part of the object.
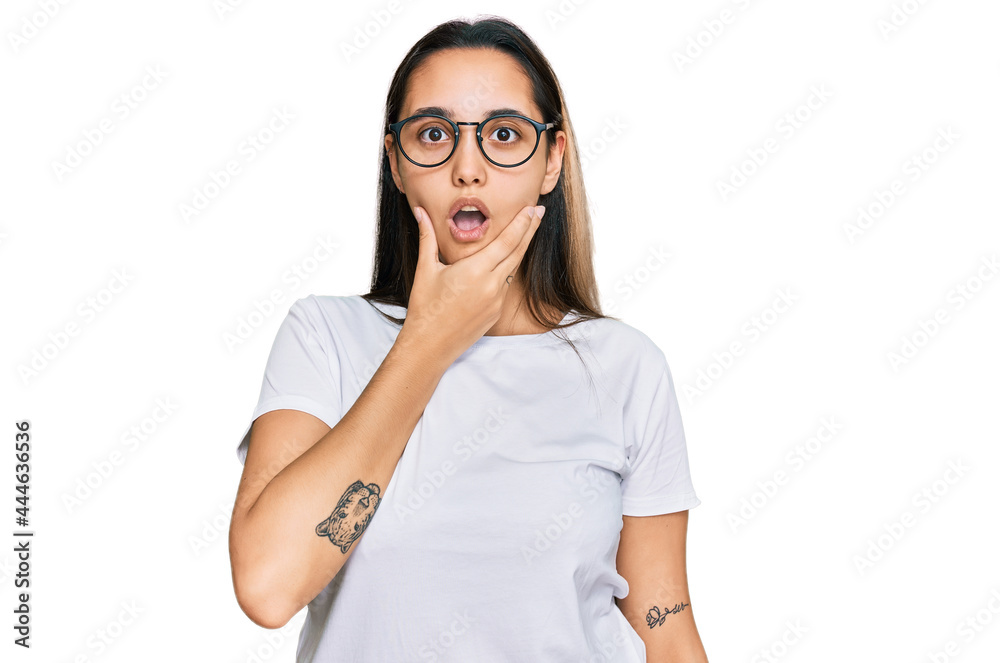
(448, 113)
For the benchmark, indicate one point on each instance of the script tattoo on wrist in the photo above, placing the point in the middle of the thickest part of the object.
(655, 618)
(354, 510)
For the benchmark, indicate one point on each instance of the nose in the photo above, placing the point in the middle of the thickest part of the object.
(468, 163)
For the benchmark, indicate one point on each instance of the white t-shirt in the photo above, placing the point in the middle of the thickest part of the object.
(495, 539)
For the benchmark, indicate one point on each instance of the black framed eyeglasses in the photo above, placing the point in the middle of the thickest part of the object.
(507, 141)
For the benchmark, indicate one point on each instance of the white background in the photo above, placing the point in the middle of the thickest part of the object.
(153, 531)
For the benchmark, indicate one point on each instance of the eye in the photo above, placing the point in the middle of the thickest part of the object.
(505, 134)
(435, 134)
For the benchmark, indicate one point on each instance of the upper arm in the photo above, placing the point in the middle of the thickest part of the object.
(657, 493)
(276, 439)
(299, 401)
(653, 560)
(656, 478)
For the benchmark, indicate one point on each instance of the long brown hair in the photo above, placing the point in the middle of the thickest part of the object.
(557, 268)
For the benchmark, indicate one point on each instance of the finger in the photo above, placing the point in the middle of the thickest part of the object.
(505, 244)
(428, 249)
(510, 263)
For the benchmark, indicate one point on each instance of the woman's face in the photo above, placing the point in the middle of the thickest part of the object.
(470, 83)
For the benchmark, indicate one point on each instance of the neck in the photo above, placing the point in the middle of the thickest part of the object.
(515, 318)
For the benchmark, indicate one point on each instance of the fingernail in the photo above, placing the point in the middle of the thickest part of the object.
(540, 211)
(416, 214)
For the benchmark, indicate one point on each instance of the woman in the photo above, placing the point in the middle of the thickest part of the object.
(425, 468)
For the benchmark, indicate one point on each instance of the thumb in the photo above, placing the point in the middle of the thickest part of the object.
(428, 240)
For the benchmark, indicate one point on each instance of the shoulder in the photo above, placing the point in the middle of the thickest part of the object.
(344, 321)
(324, 310)
(624, 345)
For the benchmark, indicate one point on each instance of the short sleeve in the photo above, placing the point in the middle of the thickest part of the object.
(302, 370)
(656, 478)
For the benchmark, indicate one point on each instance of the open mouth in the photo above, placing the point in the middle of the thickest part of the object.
(468, 220)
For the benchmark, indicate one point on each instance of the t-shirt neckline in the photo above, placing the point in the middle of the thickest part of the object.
(509, 341)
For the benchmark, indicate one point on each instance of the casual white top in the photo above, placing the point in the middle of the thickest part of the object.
(495, 539)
